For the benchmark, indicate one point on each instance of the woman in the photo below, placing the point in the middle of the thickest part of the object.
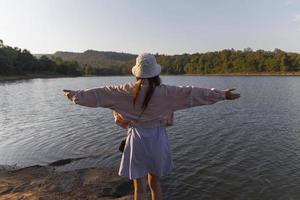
(146, 108)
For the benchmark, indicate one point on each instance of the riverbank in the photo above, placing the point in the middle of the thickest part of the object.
(250, 74)
(32, 76)
(46, 182)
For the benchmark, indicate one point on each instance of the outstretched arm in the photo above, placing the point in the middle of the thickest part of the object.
(87, 98)
(190, 96)
(97, 97)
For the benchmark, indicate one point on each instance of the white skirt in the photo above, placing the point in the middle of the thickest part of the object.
(147, 150)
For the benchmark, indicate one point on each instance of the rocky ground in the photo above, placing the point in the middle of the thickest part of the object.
(47, 183)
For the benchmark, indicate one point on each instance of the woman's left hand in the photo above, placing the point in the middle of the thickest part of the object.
(231, 96)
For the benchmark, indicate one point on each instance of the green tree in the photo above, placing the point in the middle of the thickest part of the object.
(1, 43)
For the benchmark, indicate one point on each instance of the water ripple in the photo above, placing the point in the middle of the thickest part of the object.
(247, 149)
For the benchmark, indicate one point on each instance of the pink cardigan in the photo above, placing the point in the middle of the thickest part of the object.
(165, 100)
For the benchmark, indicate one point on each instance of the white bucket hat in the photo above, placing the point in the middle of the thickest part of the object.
(146, 66)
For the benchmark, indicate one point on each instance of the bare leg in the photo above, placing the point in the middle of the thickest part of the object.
(154, 184)
(140, 185)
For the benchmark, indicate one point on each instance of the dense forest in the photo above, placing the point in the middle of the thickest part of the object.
(231, 61)
(15, 61)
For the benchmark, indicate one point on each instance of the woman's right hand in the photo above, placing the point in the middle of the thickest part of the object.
(70, 94)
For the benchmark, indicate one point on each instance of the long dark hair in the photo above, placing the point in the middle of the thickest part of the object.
(153, 82)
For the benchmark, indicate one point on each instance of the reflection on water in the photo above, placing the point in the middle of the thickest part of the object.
(245, 149)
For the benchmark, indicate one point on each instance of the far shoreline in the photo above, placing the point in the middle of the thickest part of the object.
(46, 76)
(250, 74)
(34, 76)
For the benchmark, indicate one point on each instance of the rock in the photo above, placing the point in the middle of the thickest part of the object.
(65, 161)
(43, 182)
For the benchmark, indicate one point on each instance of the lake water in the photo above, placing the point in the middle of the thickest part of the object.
(246, 149)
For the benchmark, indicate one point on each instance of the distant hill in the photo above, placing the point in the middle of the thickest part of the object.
(38, 56)
(15, 61)
(98, 59)
(227, 61)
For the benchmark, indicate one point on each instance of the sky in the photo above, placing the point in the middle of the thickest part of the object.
(155, 26)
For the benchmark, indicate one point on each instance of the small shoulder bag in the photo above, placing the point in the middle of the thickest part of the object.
(123, 142)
